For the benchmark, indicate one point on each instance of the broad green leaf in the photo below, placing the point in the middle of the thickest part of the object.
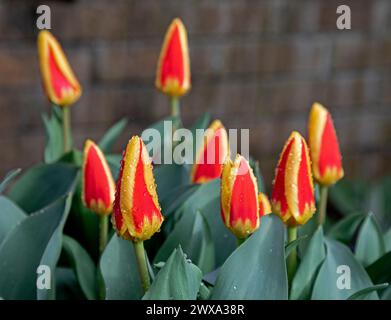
(380, 202)
(387, 240)
(43, 184)
(192, 233)
(256, 270)
(364, 292)
(176, 198)
(169, 177)
(349, 196)
(179, 279)
(10, 216)
(386, 294)
(33, 242)
(55, 144)
(74, 157)
(379, 271)
(8, 178)
(307, 230)
(370, 243)
(345, 229)
(67, 286)
(118, 266)
(340, 275)
(293, 245)
(110, 137)
(306, 273)
(82, 265)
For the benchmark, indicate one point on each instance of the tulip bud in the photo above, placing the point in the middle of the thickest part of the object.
(239, 197)
(211, 155)
(264, 205)
(98, 183)
(324, 149)
(60, 83)
(293, 191)
(137, 214)
(173, 71)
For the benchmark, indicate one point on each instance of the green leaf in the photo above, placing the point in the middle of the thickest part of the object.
(108, 140)
(370, 243)
(82, 265)
(55, 145)
(201, 123)
(293, 245)
(74, 157)
(379, 271)
(364, 292)
(193, 234)
(118, 266)
(325, 287)
(257, 172)
(387, 240)
(43, 184)
(349, 196)
(345, 229)
(179, 279)
(10, 216)
(8, 178)
(176, 198)
(307, 230)
(169, 177)
(308, 269)
(35, 241)
(380, 202)
(256, 270)
(386, 294)
(67, 286)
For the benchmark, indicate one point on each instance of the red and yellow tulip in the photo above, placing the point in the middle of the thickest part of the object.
(293, 192)
(173, 71)
(137, 214)
(324, 149)
(211, 155)
(239, 197)
(60, 83)
(264, 205)
(98, 183)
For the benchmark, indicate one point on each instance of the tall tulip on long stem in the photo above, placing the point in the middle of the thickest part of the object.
(173, 71)
(59, 81)
(325, 154)
(293, 192)
(137, 214)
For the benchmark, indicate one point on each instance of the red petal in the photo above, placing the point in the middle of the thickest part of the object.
(244, 197)
(305, 188)
(330, 155)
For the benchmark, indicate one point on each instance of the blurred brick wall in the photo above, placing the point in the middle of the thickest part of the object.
(255, 64)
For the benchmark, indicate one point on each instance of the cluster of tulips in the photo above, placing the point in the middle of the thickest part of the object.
(133, 202)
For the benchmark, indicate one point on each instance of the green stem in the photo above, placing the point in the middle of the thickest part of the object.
(239, 241)
(292, 258)
(322, 205)
(66, 128)
(103, 231)
(175, 112)
(142, 264)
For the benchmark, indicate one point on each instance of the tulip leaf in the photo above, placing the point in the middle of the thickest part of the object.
(179, 279)
(178, 196)
(364, 292)
(67, 286)
(387, 240)
(194, 235)
(293, 245)
(82, 265)
(307, 230)
(74, 157)
(370, 243)
(340, 275)
(380, 202)
(306, 273)
(379, 271)
(256, 269)
(346, 229)
(169, 177)
(35, 241)
(118, 266)
(55, 144)
(107, 141)
(10, 216)
(47, 182)
(8, 178)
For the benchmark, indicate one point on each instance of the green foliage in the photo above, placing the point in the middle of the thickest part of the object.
(53, 127)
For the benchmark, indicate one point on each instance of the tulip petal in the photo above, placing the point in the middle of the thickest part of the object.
(264, 205)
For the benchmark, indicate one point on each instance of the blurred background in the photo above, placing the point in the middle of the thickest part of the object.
(255, 64)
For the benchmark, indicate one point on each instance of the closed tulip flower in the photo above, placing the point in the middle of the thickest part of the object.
(98, 183)
(211, 154)
(173, 71)
(60, 83)
(239, 197)
(137, 214)
(324, 149)
(293, 191)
